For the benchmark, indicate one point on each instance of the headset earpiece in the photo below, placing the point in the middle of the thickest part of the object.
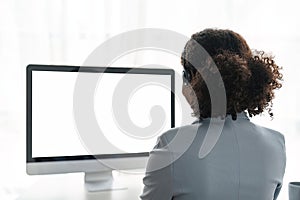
(187, 77)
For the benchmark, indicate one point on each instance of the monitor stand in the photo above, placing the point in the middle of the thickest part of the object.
(101, 181)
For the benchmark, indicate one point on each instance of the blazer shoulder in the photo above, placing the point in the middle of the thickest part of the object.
(271, 133)
(169, 135)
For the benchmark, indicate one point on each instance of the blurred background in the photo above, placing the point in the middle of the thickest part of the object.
(67, 31)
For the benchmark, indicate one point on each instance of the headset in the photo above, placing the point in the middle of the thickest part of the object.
(186, 77)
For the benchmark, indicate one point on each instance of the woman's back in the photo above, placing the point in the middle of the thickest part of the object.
(222, 80)
(247, 163)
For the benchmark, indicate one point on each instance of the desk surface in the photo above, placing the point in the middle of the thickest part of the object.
(71, 187)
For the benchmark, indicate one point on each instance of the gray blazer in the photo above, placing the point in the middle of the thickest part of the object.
(246, 163)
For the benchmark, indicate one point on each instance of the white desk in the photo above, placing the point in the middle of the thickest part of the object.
(71, 187)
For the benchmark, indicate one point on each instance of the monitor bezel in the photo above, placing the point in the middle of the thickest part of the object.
(86, 69)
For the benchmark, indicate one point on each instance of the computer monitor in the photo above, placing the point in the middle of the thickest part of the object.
(59, 132)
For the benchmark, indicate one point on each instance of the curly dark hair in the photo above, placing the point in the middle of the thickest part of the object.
(249, 77)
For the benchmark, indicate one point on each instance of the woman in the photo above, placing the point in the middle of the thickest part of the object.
(247, 162)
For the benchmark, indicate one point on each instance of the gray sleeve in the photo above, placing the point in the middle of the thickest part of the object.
(279, 186)
(158, 178)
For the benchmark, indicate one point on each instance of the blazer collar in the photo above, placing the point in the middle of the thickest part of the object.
(241, 115)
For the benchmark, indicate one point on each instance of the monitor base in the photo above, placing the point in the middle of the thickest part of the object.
(101, 181)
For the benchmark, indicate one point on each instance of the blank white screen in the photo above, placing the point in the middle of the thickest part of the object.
(54, 130)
